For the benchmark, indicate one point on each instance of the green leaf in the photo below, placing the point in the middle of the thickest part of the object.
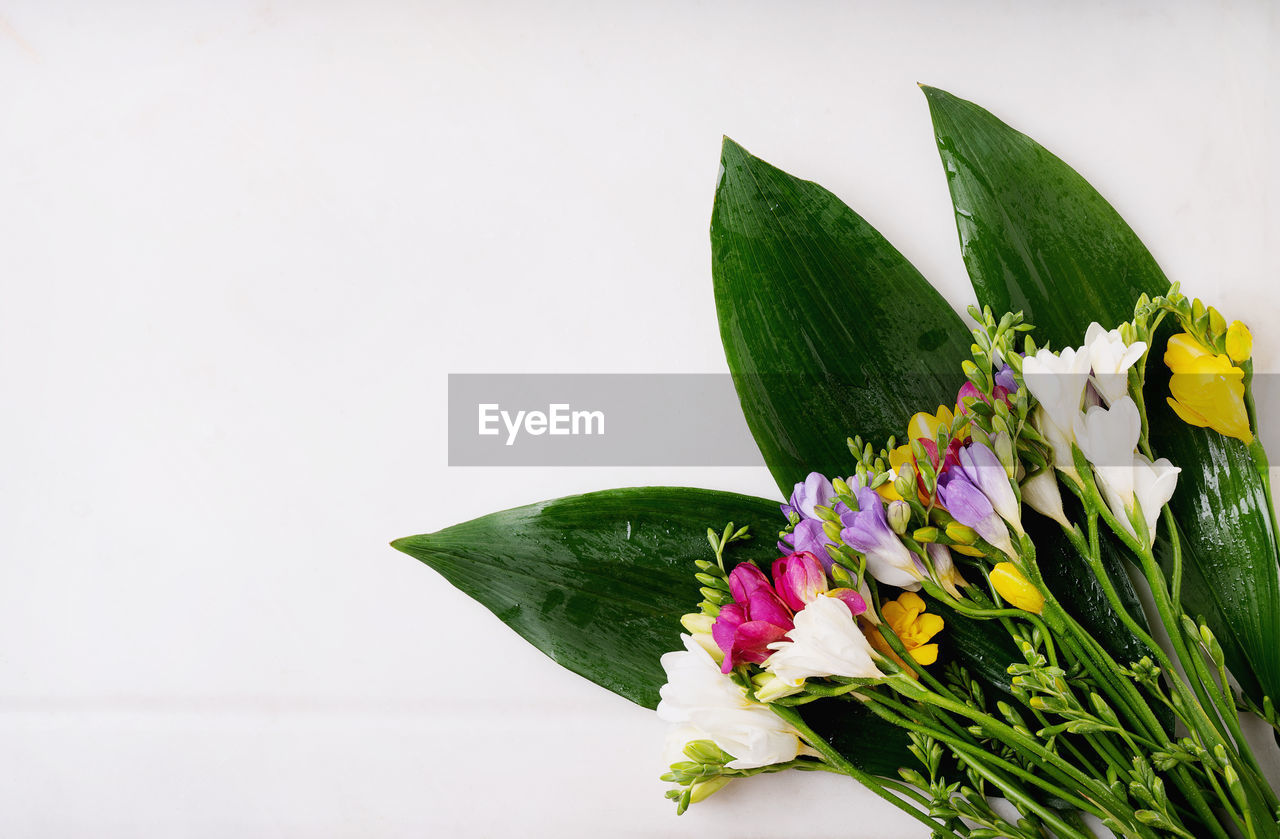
(599, 581)
(828, 330)
(1037, 237)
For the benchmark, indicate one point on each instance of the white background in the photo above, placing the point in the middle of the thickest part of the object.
(244, 243)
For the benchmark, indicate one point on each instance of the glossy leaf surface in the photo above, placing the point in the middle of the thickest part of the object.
(829, 331)
(599, 581)
(1037, 237)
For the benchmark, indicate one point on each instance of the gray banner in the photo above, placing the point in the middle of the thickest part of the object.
(597, 420)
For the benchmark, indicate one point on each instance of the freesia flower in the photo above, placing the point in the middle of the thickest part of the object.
(1153, 486)
(1060, 442)
(1110, 358)
(810, 536)
(898, 457)
(867, 531)
(699, 627)
(704, 704)
(1005, 378)
(800, 577)
(1208, 390)
(1014, 588)
(1239, 342)
(914, 627)
(813, 491)
(985, 471)
(756, 617)
(825, 642)
(1107, 437)
(1040, 492)
(1057, 382)
(970, 506)
(924, 426)
(944, 568)
(1001, 391)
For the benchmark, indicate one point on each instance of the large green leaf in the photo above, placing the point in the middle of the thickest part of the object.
(1037, 237)
(828, 330)
(599, 581)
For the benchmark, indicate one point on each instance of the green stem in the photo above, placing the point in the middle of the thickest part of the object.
(834, 758)
(894, 712)
(1066, 773)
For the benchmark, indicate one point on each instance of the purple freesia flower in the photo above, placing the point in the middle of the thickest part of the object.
(984, 470)
(756, 618)
(810, 537)
(1005, 379)
(970, 506)
(813, 491)
(867, 531)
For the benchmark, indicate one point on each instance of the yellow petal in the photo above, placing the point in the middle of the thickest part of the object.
(912, 602)
(1212, 388)
(925, 426)
(899, 457)
(927, 626)
(894, 615)
(926, 655)
(1187, 415)
(889, 492)
(1181, 351)
(1239, 342)
(1014, 588)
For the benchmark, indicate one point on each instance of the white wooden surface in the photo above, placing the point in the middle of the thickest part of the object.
(243, 245)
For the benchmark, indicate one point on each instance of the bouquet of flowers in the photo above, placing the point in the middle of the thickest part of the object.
(947, 607)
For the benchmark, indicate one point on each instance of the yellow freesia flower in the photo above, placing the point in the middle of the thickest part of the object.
(1014, 588)
(897, 457)
(913, 626)
(921, 426)
(1239, 342)
(925, 426)
(1207, 389)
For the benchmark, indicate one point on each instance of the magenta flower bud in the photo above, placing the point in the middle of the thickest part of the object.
(757, 618)
(850, 598)
(799, 578)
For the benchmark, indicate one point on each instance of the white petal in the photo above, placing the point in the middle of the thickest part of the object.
(1040, 492)
(825, 642)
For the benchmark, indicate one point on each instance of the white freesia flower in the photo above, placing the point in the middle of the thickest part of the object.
(705, 704)
(1110, 357)
(1107, 437)
(1153, 486)
(1061, 442)
(826, 641)
(1040, 492)
(1057, 382)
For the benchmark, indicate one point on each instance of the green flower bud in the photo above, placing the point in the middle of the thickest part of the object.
(899, 515)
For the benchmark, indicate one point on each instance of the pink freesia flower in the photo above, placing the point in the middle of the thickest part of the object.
(798, 578)
(756, 618)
